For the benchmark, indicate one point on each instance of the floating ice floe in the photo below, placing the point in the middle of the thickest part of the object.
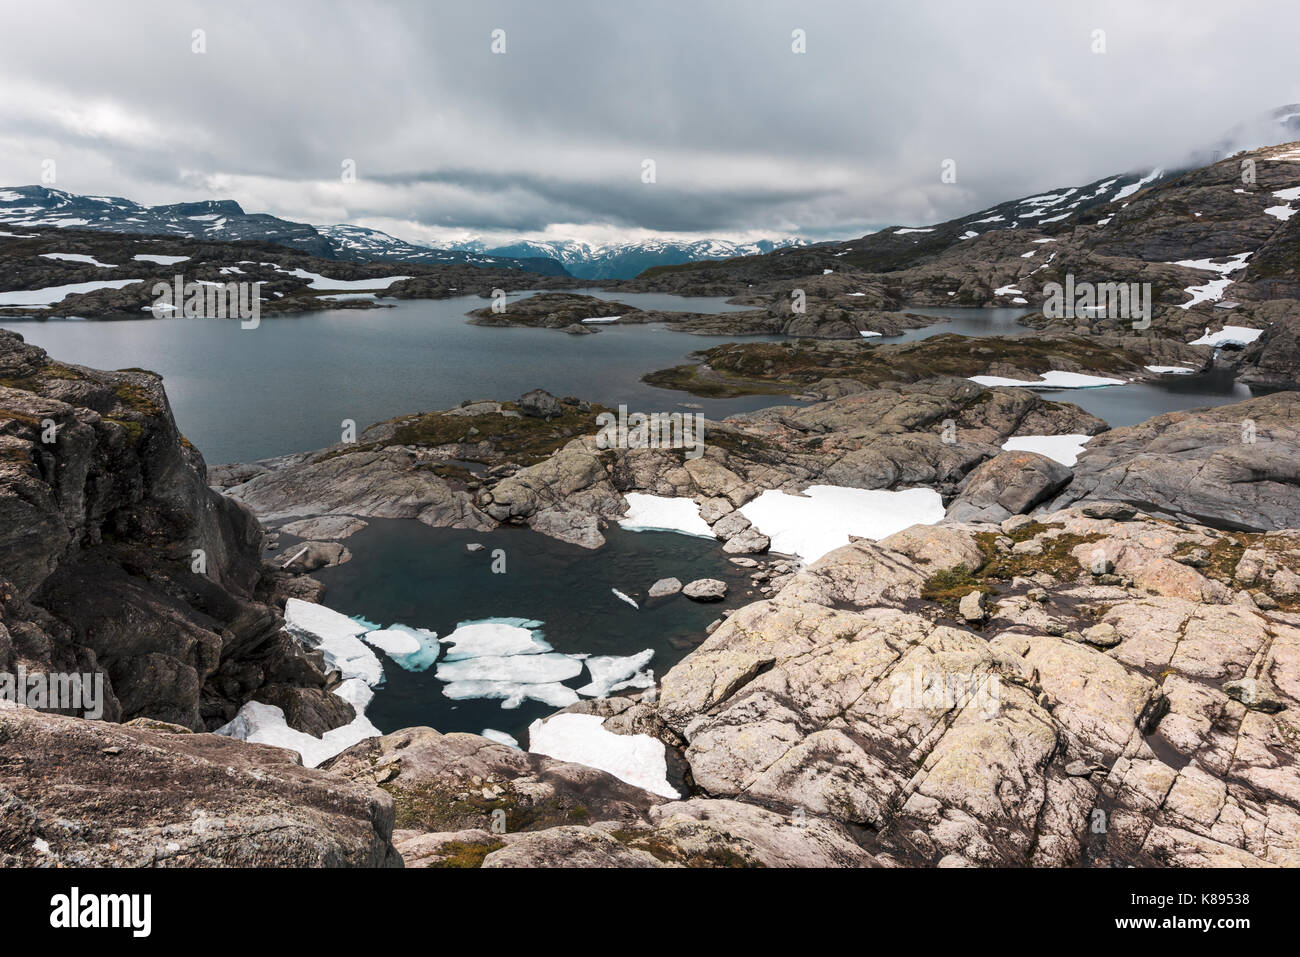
(1170, 370)
(1050, 380)
(338, 638)
(649, 513)
(160, 260)
(637, 759)
(414, 649)
(506, 659)
(1062, 448)
(78, 258)
(610, 673)
(54, 294)
(824, 516)
(627, 598)
(495, 636)
(1229, 336)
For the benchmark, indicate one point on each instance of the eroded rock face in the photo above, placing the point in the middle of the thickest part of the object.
(1011, 483)
(1233, 466)
(1088, 723)
(116, 557)
(95, 794)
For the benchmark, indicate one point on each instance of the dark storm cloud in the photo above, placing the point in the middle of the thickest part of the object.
(747, 136)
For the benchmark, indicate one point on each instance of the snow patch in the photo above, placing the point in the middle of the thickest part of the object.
(1061, 448)
(637, 759)
(647, 513)
(824, 516)
(1050, 380)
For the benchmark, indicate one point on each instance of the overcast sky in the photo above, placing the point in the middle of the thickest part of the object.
(748, 138)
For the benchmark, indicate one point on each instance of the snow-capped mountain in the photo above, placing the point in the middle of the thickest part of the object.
(625, 260)
(225, 220)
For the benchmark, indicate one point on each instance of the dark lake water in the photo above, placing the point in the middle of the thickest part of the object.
(406, 573)
(1118, 405)
(241, 395)
(246, 394)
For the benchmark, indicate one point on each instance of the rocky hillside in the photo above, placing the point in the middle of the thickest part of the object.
(76, 272)
(116, 557)
(1218, 244)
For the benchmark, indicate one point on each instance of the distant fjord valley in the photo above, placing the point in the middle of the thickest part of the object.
(989, 526)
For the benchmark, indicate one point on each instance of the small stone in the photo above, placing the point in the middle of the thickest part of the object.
(475, 547)
(1264, 601)
(1254, 694)
(1015, 523)
(705, 589)
(1102, 635)
(1078, 769)
(665, 586)
(972, 607)
(1196, 558)
(1112, 510)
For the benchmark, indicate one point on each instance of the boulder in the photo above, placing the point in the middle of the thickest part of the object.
(540, 404)
(706, 589)
(665, 586)
(1010, 483)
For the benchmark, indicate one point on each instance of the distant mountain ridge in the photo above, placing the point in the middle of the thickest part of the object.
(625, 260)
(225, 221)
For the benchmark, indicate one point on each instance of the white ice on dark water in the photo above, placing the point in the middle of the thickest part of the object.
(647, 513)
(611, 673)
(414, 649)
